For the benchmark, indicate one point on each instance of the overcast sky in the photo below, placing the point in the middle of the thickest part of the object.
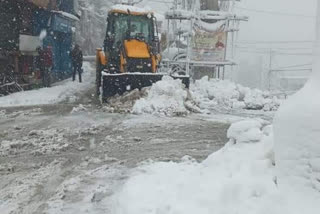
(273, 26)
(274, 20)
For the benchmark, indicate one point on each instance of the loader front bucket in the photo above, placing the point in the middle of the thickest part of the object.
(113, 84)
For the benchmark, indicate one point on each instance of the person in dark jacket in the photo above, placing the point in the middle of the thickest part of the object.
(45, 64)
(77, 60)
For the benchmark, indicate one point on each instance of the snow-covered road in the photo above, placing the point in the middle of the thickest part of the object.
(62, 152)
(69, 156)
(53, 160)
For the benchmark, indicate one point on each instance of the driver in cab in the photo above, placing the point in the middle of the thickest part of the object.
(134, 31)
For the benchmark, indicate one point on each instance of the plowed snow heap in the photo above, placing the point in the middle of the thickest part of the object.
(170, 97)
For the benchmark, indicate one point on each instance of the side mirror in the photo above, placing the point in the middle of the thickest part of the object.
(156, 45)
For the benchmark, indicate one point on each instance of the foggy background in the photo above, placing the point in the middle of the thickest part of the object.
(278, 36)
(290, 24)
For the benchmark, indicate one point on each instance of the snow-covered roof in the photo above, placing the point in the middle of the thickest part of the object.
(121, 8)
(65, 14)
(179, 14)
(211, 27)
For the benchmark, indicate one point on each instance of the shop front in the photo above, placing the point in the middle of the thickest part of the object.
(59, 38)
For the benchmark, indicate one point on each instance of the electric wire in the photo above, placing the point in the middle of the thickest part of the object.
(276, 13)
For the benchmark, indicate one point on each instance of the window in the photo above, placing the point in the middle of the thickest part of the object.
(139, 26)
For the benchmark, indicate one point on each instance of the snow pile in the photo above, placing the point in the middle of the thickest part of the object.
(297, 135)
(238, 179)
(233, 180)
(3, 113)
(224, 94)
(169, 97)
(79, 108)
(62, 91)
(246, 131)
(166, 97)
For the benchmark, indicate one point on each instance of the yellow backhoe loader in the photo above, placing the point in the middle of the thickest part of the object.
(131, 55)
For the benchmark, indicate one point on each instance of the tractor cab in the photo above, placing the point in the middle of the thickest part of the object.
(124, 26)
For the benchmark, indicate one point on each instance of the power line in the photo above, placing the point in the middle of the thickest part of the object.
(275, 53)
(295, 66)
(282, 70)
(275, 42)
(272, 48)
(291, 48)
(160, 1)
(276, 13)
(258, 52)
(294, 54)
(275, 50)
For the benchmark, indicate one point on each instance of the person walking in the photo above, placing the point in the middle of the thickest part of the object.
(45, 63)
(77, 60)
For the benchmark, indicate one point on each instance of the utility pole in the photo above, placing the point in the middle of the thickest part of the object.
(316, 63)
(270, 69)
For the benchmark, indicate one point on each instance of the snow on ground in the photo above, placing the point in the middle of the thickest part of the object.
(297, 134)
(13, 196)
(238, 179)
(224, 94)
(59, 92)
(166, 97)
(92, 186)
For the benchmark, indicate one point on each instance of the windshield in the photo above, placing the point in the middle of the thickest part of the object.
(132, 26)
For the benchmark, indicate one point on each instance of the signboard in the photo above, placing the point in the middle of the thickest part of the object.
(29, 43)
(62, 24)
(209, 46)
(40, 3)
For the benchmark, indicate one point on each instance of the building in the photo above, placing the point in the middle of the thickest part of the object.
(22, 22)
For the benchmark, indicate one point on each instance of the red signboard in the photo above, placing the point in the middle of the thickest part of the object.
(40, 3)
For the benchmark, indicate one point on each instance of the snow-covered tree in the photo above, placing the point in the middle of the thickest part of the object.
(92, 27)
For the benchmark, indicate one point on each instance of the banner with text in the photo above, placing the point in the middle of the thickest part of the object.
(208, 46)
